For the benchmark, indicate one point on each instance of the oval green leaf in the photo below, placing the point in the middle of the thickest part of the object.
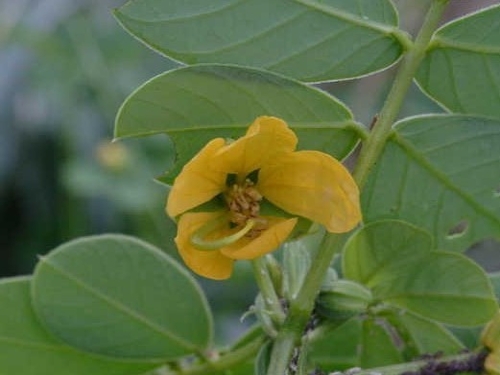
(263, 359)
(364, 342)
(468, 336)
(462, 67)
(196, 104)
(306, 39)
(397, 262)
(297, 256)
(118, 296)
(26, 348)
(336, 347)
(440, 173)
(495, 281)
(422, 336)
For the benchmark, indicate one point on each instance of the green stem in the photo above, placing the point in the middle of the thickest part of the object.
(301, 307)
(228, 360)
(281, 353)
(266, 287)
(375, 143)
(475, 361)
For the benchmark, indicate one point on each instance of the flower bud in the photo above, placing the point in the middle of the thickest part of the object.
(343, 300)
(112, 156)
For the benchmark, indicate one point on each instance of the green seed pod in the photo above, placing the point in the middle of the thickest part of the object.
(490, 337)
(330, 279)
(343, 300)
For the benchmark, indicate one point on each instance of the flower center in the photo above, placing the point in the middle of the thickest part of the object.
(243, 201)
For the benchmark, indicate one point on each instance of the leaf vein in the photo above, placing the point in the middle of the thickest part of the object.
(233, 4)
(315, 44)
(251, 38)
(452, 76)
(444, 180)
(349, 17)
(118, 305)
(445, 43)
(458, 140)
(492, 77)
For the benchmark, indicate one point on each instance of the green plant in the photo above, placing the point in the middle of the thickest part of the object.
(396, 288)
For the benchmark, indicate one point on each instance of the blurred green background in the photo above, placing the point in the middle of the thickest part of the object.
(66, 66)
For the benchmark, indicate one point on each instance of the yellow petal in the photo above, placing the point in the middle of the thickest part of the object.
(269, 240)
(314, 185)
(265, 138)
(210, 264)
(197, 183)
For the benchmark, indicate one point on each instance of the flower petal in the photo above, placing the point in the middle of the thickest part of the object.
(265, 138)
(197, 183)
(269, 240)
(314, 185)
(211, 264)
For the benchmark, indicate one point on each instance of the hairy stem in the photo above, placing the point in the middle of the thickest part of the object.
(374, 145)
(228, 360)
(301, 307)
(472, 362)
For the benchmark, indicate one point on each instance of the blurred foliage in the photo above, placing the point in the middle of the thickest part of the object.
(66, 68)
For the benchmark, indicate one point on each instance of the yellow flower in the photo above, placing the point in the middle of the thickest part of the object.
(241, 175)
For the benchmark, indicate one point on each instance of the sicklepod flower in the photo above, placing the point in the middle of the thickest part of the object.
(242, 177)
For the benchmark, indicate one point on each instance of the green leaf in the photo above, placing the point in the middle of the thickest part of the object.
(196, 104)
(380, 247)
(336, 348)
(297, 255)
(397, 262)
(307, 39)
(468, 336)
(440, 173)
(364, 342)
(495, 281)
(263, 359)
(424, 336)
(462, 67)
(247, 368)
(118, 296)
(378, 346)
(27, 349)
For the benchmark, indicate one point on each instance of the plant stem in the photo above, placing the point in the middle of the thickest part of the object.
(228, 360)
(471, 362)
(375, 143)
(301, 307)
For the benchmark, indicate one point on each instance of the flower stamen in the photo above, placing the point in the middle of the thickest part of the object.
(243, 202)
